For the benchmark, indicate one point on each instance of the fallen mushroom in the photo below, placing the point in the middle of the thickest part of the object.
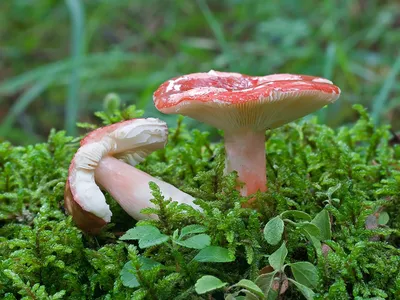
(245, 107)
(98, 161)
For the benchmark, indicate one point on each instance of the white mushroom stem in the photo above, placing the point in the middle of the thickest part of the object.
(245, 153)
(130, 187)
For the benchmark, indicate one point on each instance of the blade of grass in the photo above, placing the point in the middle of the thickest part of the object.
(77, 52)
(330, 60)
(380, 100)
(216, 29)
(328, 71)
(60, 68)
(343, 60)
(22, 102)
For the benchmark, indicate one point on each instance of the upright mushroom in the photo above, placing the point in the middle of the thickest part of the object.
(98, 160)
(245, 107)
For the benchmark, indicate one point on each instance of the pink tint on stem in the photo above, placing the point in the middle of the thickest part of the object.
(245, 153)
(130, 187)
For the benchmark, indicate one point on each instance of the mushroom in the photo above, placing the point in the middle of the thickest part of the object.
(244, 107)
(98, 161)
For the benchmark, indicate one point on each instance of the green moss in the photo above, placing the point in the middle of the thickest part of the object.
(352, 172)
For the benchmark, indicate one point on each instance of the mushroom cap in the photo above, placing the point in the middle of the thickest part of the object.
(130, 141)
(232, 101)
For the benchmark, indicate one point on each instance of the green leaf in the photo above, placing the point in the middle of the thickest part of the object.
(175, 234)
(305, 273)
(273, 230)
(297, 214)
(251, 286)
(277, 259)
(311, 229)
(272, 295)
(323, 222)
(265, 282)
(383, 218)
(147, 235)
(214, 254)
(148, 263)
(128, 276)
(199, 241)
(307, 292)
(316, 243)
(149, 241)
(249, 295)
(333, 189)
(128, 272)
(191, 229)
(140, 232)
(207, 284)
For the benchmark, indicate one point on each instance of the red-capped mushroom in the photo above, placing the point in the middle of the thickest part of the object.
(98, 161)
(244, 107)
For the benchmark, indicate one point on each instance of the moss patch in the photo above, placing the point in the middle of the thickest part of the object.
(353, 173)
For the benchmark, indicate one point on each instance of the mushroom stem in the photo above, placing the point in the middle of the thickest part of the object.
(245, 153)
(130, 187)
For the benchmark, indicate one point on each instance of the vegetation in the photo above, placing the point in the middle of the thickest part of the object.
(327, 228)
(58, 58)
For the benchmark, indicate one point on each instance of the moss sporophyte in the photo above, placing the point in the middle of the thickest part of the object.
(309, 236)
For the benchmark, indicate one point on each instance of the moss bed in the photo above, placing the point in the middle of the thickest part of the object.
(333, 204)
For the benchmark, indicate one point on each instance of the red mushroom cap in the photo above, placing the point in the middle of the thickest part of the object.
(231, 101)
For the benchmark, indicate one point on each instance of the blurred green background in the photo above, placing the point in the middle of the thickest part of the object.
(58, 59)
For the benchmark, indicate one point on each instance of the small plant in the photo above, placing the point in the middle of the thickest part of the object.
(310, 236)
(274, 278)
(269, 284)
(191, 236)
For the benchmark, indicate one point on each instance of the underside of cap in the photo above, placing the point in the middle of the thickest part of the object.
(130, 141)
(257, 103)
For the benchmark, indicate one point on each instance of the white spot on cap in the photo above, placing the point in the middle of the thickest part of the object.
(224, 74)
(170, 85)
(278, 77)
(195, 92)
(323, 80)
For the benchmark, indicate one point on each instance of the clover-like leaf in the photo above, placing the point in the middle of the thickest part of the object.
(128, 272)
(298, 214)
(198, 241)
(147, 235)
(277, 259)
(208, 283)
(192, 229)
(250, 286)
(214, 254)
(305, 273)
(273, 230)
(383, 218)
(323, 222)
(311, 229)
(307, 292)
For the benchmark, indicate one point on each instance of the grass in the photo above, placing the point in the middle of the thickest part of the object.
(132, 46)
(77, 51)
